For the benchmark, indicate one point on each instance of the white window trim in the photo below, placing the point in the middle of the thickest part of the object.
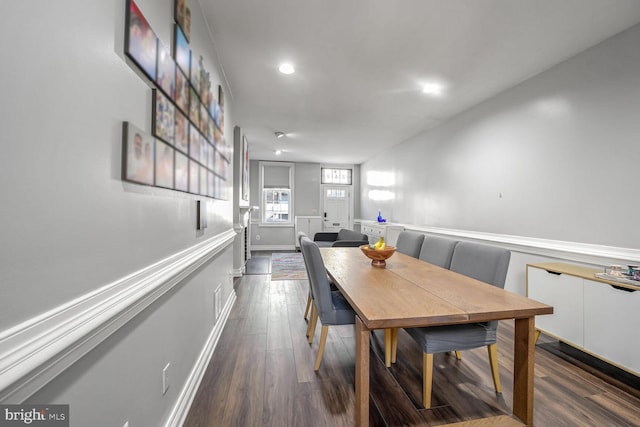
(291, 167)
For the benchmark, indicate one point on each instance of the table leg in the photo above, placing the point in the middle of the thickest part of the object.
(362, 374)
(523, 363)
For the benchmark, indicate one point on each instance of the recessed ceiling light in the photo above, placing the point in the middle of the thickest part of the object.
(280, 134)
(287, 68)
(278, 152)
(432, 89)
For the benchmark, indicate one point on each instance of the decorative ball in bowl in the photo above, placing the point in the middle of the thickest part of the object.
(378, 256)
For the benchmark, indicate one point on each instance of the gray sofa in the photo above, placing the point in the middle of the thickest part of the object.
(343, 238)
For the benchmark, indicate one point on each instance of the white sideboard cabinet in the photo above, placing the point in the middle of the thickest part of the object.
(598, 316)
(310, 225)
(374, 230)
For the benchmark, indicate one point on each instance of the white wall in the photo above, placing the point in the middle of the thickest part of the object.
(70, 225)
(552, 158)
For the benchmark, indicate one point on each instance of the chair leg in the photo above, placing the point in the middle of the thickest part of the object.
(323, 341)
(387, 347)
(493, 360)
(311, 328)
(458, 355)
(309, 323)
(538, 332)
(306, 310)
(394, 344)
(427, 379)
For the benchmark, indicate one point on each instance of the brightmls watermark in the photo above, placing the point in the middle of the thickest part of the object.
(34, 415)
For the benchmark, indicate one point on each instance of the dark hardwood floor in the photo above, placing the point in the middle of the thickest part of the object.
(261, 374)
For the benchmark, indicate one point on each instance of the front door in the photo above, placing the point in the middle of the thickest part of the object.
(337, 207)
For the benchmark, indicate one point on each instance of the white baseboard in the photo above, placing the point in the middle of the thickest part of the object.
(37, 350)
(185, 399)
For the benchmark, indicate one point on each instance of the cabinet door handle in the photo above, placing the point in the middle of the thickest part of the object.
(553, 272)
(621, 288)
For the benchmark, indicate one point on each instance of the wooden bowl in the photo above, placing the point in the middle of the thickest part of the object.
(378, 257)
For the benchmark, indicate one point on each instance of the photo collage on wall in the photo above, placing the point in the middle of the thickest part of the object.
(186, 150)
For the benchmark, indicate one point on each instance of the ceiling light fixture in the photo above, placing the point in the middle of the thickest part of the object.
(278, 152)
(279, 134)
(286, 68)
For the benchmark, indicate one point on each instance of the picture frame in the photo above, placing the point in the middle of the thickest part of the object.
(141, 42)
(205, 81)
(194, 143)
(221, 110)
(181, 132)
(212, 105)
(164, 165)
(204, 150)
(182, 15)
(245, 169)
(181, 174)
(195, 73)
(194, 107)
(218, 166)
(211, 126)
(163, 117)
(204, 117)
(138, 152)
(182, 91)
(182, 51)
(194, 177)
(217, 139)
(179, 152)
(166, 71)
(211, 157)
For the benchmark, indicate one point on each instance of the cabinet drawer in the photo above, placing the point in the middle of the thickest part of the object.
(377, 231)
(565, 294)
(612, 318)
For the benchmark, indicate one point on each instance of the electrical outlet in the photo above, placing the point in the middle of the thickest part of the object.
(165, 379)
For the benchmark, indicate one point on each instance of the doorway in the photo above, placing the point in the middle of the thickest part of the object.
(337, 207)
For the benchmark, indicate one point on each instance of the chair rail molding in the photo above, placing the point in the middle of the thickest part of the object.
(572, 251)
(34, 352)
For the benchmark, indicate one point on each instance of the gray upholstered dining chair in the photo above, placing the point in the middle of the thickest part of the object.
(307, 309)
(328, 306)
(299, 237)
(434, 250)
(437, 250)
(482, 262)
(409, 243)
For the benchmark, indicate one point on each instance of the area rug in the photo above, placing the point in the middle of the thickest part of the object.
(287, 266)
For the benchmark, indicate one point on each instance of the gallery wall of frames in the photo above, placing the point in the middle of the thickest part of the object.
(186, 150)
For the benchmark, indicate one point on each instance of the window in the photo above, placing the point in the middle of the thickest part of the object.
(336, 193)
(276, 205)
(336, 176)
(276, 184)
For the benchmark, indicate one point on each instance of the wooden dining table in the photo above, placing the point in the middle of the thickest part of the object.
(411, 293)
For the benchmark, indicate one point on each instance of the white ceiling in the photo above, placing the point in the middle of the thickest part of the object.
(360, 64)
